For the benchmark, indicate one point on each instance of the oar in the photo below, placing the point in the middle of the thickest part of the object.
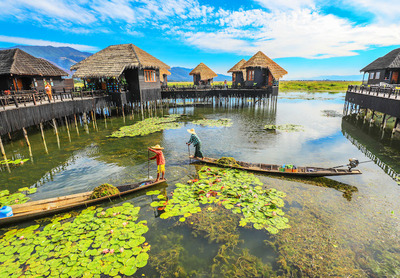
(348, 164)
(148, 164)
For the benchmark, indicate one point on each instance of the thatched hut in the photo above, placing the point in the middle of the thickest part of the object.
(22, 71)
(202, 75)
(238, 74)
(163, 76)
(384, 69)
(114, 65)
(261, 71)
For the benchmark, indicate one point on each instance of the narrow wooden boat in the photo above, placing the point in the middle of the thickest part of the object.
(46, 207)
(274, 169)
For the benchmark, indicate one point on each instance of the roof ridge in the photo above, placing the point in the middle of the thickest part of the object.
(134, 51)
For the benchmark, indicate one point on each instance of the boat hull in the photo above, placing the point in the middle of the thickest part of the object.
(47, 207)
(274, 169)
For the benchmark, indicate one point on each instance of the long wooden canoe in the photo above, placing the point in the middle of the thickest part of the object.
(46, 207)
(274, 169)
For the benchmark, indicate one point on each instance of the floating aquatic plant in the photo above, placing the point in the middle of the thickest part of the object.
(7, 199)
(214, 123)
(96, 242)
(148, 126)
(331, 113)
(104, 190)
(233, 189)
(286, 127)
(14, 162)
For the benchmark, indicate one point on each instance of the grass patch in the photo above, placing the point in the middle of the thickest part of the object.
(316, 86)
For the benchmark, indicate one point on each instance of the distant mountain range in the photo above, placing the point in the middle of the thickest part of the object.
(180, 74)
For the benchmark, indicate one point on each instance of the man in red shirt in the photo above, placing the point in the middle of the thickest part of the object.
(159, 159)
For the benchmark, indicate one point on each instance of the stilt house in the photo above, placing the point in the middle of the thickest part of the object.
(202, 75)
(238, 74)
(384, 69)
(261, 71)
(163, 76)
(21, 71)
(124, 65)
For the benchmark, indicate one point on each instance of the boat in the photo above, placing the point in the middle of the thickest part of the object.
(277, 169)
(41, 208)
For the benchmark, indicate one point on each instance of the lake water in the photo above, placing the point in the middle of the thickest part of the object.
(330, 235)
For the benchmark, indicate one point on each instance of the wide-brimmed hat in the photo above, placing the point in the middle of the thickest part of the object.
(157, 147)
(191, 131)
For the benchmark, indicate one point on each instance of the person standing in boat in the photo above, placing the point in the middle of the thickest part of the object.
(194, 139)
(159, 157)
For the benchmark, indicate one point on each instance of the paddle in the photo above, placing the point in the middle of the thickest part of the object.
(148, 164)
(348, 164)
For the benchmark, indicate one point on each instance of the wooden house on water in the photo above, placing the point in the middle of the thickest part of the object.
(202, 75)
(163, 76)
(238, 74)
(22, 71)
(261, 71)
(384, 69)
(123, 65)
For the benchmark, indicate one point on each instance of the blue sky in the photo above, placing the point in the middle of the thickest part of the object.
(309, 38)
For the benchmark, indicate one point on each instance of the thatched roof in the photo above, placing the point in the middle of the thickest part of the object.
(18, 62)
(113, 60)
(238, 66)
(162, 72)
(260, 60)
(389, 61)
(204, 71)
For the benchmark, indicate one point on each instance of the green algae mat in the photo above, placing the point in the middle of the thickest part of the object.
(214, 123)
(148, 126)
(97, 242)
(238, 191)
(285, 127)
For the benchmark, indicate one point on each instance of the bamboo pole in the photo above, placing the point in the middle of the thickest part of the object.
(27, 142)
(3, 152)
(76, 125)
(56, 131)
(85, 123)
(94, 126)
(123, 113)
(43, 138)
(66, 124)
(105, 117)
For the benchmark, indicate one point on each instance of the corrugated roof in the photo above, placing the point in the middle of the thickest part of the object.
(204, 71)
(390, 60)
(18, 62)
(261, 60)
(113, 60)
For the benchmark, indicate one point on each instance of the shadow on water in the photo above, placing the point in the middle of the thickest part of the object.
(375, 144)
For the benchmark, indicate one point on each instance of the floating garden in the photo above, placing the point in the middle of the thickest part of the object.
(238, 191)
(97, 242)
(285, 127)
(214, 123)
(13, 162)
(148, 126)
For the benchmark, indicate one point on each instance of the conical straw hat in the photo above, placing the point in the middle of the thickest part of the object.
(191, 131)
(157, 147)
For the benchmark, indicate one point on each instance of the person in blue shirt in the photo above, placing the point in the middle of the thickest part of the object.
(194, 139)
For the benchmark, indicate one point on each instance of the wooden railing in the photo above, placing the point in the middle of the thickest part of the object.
(209, 87)
(386, 92)
(22, 98)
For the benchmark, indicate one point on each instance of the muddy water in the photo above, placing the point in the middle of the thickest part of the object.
(329, 234)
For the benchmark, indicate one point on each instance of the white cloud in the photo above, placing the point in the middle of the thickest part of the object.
(286, 4)
(27, 41)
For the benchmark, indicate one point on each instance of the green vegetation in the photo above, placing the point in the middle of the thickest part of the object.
(148, 126)
(14, 162)
(317, 86)
(96, 242)
(286, 127)
(7, 199)
(214, 123)
(228, 161)
(104, 190)
(233, 189)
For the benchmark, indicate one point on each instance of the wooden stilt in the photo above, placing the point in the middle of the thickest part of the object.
(3, 152)
(43, 138)
(123, 112)
(56, 131)
(85, 123)
(27, 142)
(67, 126)
(76, 125)
(94, 126)
(105, 117)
